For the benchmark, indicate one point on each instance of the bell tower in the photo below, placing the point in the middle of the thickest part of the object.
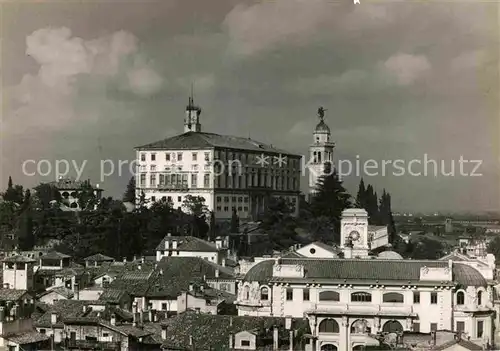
(192, 119)
(320, 153)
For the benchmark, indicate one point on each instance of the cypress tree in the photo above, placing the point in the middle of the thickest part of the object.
(361, 196)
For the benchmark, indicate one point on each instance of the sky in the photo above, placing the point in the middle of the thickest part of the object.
(400, 79)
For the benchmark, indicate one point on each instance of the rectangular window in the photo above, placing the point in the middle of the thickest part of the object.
(164, 306)
(105, 335)
(143, 157)
(152, 180)
(305, 294)
(460, 327)
(42, 331)
(153, 157)
(194, 180)
(219, 199)
(179, 156)
(434, 298)
(245, 209)
(164, 198)
(169, 198)
(206, 180)
(434, 327)
(153, 168)
(195, 156)
(184, 180)
(179, 198)
(167, 157)
(240, 199)
(234, 199)
(207, 156)
(245, 343)
(289, 294)
(219, 208)
(153, 198)
(480, 329)
(226, 208)
(240, 208)
(416, 297)
(416, 327)
(226, 198)
(143, 179)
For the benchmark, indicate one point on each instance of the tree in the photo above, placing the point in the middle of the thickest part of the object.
(330, 200)
(129, 195)
(13, 193)
(426, 249)
(361, 196)
(87, 199)
(278, 223)
(45, 193)
(25, 233)
(494, 248)
(235, 222)
(195, 207)
(385, 216)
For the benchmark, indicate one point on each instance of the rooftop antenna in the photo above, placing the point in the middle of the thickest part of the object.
(191, 99)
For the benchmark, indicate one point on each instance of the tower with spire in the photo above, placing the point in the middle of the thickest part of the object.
(320, 153)
(192, 119)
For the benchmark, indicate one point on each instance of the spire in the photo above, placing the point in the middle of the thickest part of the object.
(192, 119)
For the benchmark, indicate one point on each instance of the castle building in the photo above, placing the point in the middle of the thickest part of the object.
(349, 301)
(320, 153)
(227, 171)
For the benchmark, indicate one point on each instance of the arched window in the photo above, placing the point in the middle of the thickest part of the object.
(329, 296)
(329, 347)
(246, 293)
(73, 205)
(392, 327)
(264, 294)
(460, 298)
(360, 326)
(361, 297)
(480, 298)
(393, 297)
(65, 194)
(329, 326)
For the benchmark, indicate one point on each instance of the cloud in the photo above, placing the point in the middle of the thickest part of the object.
(407, 68)
(47, 98)
(254, 28)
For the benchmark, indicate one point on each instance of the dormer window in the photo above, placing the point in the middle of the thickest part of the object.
(264, 294)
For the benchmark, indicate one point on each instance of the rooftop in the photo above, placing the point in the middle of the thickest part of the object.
(11, 294)
(99, 258)
(203, 140)
(366, 269)
(188, 243)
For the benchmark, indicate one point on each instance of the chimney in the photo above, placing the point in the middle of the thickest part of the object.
(113, 319)
(230, 341)
(191, 287)
(53, 318)
(169, 234)
(164, 330)
(275, 339)
(143, 259)
(139, 267)
(223, 262)
(216, 273)
(124, 260)
(288, 322)
(76, 290)
(135, 258)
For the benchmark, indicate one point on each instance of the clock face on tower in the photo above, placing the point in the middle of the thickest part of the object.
(354, 235)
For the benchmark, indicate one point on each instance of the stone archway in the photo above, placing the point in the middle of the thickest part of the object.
(392, 327)
(328, 347)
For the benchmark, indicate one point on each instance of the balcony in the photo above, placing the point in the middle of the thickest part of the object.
(473, 308)
(170, 187)
(369, 309)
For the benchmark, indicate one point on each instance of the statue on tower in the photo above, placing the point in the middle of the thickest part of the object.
(321, 112)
